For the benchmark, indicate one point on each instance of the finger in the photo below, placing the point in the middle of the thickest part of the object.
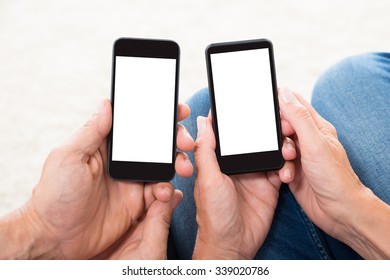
(300, 118)
(204, 153)
(287, 129)
(322, 124)
(183, 165)
(157, 223)
(184, 140)
(287, 173)
(90, 137)
(157, 191)
(163, 191)
(288, 150)
(183, 112)
(130, 193)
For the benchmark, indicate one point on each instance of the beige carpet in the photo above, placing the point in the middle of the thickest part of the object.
(55, 58)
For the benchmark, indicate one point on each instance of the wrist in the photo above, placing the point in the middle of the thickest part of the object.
(23, 236)
(215, 250)
(368, 226)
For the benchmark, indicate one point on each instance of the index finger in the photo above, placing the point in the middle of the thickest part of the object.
(322, 124)
(300, 118)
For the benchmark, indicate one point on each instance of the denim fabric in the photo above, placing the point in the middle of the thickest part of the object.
(353, 95)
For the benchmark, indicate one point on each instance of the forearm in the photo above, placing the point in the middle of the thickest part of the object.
(370, 227)
(21, 238)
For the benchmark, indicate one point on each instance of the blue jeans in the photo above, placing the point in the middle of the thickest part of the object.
(354, 96)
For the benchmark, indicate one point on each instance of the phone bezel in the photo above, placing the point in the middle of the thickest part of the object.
(144, 171)
(250, 162)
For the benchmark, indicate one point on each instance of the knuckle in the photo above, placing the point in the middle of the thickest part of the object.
(332, 129)
(198, 147)
(329, 129)
(302, 112)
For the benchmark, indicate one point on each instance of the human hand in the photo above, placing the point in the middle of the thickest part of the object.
(325, 184)
(77, 209)
(234, 213)
(147, 237)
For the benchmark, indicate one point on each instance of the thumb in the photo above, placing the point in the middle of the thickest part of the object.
(91, 135)
(157, 223)
(204, 153)
(299, 117)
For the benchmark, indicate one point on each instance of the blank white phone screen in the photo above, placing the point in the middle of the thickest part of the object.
(244, 102)
(143, 109)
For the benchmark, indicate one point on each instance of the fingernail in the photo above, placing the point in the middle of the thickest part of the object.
(168, 191)
(287, 95)
(287, 173)
(201, 122)
(290, 146)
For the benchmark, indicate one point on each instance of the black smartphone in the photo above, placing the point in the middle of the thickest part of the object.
(244, 105)
(144, 96)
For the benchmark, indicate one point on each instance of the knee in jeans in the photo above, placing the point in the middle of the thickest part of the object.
(348, 73)
(199, 96)
(199, 103)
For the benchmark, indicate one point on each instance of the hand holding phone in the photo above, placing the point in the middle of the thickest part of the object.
(233, 213)
(244, 105)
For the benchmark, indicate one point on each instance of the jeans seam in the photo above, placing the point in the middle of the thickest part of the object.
(314, 235)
